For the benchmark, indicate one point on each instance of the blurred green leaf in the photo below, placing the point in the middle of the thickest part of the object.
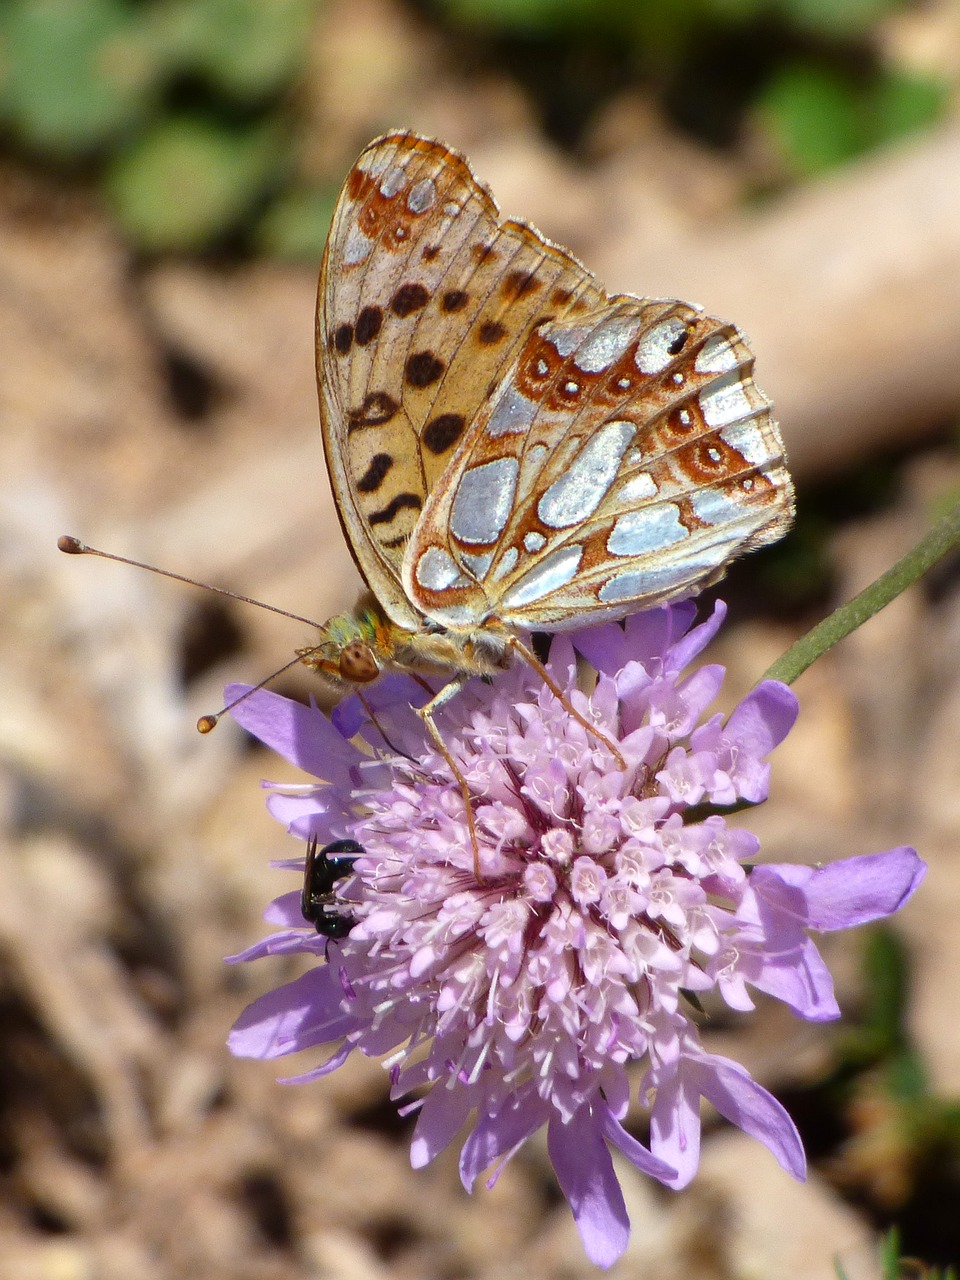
(819, 118)
(798, 570)
(656, 32)
(249, 49)
(814, 117)
(902, 102)
(628, 17)
(189, 180)
(881, 1038)
(886, 980)
(646, 21)
(517, 15)
(737, 10)
(896, 1267)
(295, 226)
(77, 73)
(838, 17)
(890, 1254)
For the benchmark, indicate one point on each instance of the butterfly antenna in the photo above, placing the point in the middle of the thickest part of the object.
(74, 547)
(207, 723)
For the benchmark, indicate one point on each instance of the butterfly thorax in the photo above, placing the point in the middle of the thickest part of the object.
(358, 647)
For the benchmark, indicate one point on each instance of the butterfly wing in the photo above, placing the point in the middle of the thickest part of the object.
(624, 459)
(425, 296)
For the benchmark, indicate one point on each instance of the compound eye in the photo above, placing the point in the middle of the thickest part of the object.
(358, 663)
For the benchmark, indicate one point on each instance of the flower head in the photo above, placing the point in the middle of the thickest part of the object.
(609, 899)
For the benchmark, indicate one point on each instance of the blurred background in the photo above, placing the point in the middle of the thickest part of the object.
(167, 173)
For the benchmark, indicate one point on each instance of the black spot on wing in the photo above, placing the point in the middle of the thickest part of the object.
(422, 369)
(491, 332)
(369, 323)
(343, 339)
(518, 283)
(373, 477)
(397, 504)
(679, 342)
(409, 298)
(443, 431)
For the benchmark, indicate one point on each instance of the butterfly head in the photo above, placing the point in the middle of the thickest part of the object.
(352, 648)
(356, 648)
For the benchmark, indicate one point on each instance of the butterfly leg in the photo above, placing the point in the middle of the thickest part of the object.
(530, 657)
(425, 713)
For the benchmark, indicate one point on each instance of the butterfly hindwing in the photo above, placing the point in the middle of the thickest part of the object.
(624, 459)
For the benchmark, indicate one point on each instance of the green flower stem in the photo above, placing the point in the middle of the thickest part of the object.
(942, 538)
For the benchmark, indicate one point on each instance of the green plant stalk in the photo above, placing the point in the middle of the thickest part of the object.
(942, 538)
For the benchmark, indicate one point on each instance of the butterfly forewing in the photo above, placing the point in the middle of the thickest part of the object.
(425, 296)
(623, 459)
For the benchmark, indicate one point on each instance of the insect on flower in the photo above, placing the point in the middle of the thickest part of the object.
(318, 901)
(510, 447)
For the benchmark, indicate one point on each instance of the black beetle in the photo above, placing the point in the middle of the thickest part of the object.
(318, 901)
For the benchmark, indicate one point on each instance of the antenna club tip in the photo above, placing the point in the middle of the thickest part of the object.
(206, 724)
(70, 545)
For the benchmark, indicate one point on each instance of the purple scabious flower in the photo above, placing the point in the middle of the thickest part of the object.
(609, 900)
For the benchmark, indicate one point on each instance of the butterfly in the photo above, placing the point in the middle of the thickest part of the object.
(510, 447)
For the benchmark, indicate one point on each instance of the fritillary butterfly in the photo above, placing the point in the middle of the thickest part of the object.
(510, 447)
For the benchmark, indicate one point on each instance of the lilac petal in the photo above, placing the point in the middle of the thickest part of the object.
(651, 633)
(441, 1117)
(348, 716)
(695, 641)
(630, 682)
(603, 646)
(325, 817)
(391, 699)
(698, 691)
(325, 1068)
(562, 660)
(296, 1016)
(275, 944)
(288, 864)
(615, 1084)
(584, 1169)
(285, 910)
(501, 1131)
(300, 734)
(739, 1099)
(849, 892)
(801, 980)
(638, 1155)
(776, 905)
(751, 780)
(643, 639)
(763, 719)
(675, 1124)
